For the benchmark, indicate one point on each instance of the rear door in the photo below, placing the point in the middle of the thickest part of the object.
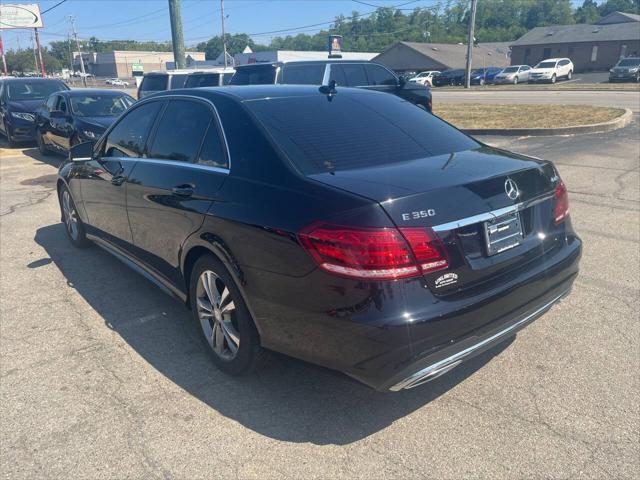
(171, 189)
(103, 180)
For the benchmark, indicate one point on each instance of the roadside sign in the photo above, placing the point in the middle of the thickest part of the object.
(20, 16)
(137, 67)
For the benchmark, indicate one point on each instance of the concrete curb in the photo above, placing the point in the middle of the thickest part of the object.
(622, 121)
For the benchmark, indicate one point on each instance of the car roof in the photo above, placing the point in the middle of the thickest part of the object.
(172, 72)
(553, 60)
(303, 62)
(243, 93)
(213, 71)
(29, 79)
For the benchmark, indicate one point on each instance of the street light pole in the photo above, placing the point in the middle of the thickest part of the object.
(224, 37)
(470, 41)
(42, 70)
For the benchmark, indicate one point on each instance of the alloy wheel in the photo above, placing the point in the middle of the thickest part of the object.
(217, 312)
(70, 215)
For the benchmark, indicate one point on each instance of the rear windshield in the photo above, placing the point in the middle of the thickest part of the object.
(510, 69)
(154, 83)
(258, 75)
(546, 65)
(629, 62)
(33, 89)
(205, 80)
(355, 131)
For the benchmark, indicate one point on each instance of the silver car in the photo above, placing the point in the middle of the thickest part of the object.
(513, 74)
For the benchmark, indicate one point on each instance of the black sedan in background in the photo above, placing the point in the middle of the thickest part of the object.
(448, 78)
(347, 228)
(75, 116)
(19, 100)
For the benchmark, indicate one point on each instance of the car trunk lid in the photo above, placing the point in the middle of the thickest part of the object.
(464, 198)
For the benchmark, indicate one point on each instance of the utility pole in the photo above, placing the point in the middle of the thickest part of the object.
(470, 42)
(42, 70)
(4, 60)
(75, 34)
(35, 54)
(224, 37)
(176, 33)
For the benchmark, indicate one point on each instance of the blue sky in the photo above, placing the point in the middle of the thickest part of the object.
(149, 19)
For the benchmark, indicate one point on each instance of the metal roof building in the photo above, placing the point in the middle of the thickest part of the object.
(419, 57)
(595, 46)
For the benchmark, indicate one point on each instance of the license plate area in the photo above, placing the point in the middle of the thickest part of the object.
(503, 233)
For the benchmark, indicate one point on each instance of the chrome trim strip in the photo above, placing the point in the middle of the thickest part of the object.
(493, 214)
(174, 163)
(413, 380)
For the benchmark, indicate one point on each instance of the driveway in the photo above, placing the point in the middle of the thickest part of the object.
(103, 376)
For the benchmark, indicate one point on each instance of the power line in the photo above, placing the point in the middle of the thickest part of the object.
(51, 8)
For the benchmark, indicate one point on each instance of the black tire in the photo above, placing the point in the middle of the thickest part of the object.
(78, 235)
(42, 148)
(249, 355)
(570, 75)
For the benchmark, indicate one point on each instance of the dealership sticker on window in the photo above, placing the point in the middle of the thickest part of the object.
(446, 279)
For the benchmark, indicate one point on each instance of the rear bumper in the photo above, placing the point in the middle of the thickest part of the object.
(449, 358)
(388, 335)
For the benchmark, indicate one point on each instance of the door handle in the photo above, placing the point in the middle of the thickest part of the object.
(118, 180)
(185, 190)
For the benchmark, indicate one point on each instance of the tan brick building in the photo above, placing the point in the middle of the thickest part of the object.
(596, 46)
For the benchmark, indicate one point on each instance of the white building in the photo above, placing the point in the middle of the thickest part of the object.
(291, 55)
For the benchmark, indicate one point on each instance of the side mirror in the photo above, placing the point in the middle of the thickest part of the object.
(81, 152)
(57, 114)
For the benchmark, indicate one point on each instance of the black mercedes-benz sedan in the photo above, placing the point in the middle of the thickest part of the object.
(344, 227)
(75, 116)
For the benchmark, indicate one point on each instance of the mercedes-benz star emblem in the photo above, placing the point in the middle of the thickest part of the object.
(511, 189)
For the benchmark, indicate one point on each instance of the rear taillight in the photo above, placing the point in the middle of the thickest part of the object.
(561, 205)
(373, 253)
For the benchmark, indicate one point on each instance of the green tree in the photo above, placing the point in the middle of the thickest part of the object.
(588, 12)
(236, 43)
(626, 6)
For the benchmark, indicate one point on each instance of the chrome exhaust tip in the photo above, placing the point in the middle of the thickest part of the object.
(424, 376)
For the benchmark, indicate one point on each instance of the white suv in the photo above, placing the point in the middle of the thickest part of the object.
(551, 70)
(425, 77)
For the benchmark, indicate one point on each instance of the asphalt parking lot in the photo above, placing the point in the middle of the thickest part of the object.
(103, 376)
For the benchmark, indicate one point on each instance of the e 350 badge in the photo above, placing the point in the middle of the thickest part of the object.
(446, 279)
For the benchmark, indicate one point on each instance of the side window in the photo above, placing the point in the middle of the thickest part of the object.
(337, 74)
(303, 74)
(128, 137)
(355, 75)
(51, 103)
(177, 81)
(213, 153)
(226, 78)
(378, 75)
(180, 131)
